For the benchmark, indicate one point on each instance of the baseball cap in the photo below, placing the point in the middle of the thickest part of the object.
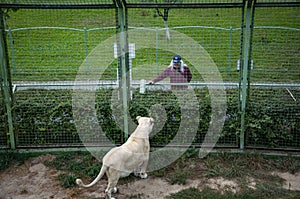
(176, 59)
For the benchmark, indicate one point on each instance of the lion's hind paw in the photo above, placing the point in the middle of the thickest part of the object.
(143, 175)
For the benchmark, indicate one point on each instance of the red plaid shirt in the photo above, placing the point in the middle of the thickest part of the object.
(176, 76)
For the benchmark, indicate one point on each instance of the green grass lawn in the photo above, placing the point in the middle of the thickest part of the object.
(56, 54)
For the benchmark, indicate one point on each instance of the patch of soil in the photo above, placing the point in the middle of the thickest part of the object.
(33, 180)
(151, 187)
(292, 182)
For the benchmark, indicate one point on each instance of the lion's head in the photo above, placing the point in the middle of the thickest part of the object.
(145, 123)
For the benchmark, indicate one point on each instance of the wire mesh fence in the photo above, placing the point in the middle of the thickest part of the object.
(276, 45)
(54, 46)
(54, 53)
(274, 111)
(43, 118)
(3, 130)
(273, 107)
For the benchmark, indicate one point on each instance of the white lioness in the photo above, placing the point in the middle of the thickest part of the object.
(130, 157)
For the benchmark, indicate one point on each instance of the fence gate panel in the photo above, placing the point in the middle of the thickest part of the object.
(45, 56)
(273, 109)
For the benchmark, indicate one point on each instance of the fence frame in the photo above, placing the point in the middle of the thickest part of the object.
(6, 83)
(121, 8)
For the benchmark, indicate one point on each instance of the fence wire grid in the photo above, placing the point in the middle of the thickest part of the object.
(48, 46)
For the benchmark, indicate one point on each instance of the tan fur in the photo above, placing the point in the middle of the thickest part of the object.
(132, 156)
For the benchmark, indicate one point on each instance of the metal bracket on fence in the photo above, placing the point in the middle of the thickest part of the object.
(239, 63)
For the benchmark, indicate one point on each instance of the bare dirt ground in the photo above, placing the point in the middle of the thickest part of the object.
(33, 180)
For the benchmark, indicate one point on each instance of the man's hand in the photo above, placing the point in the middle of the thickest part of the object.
(151, 82)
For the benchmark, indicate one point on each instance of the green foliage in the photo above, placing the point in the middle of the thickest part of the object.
(270, 190)
(67, 181)
(6, 159)
(78, 163)
(190, 193)
(74, 165)
(264, 191)
(273, 120)
(45, 117)
(179, 176)
(239, 167)
(159, 173)
(10, 157)
(287, 164)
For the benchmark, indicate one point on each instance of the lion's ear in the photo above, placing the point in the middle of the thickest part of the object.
(138, 117)
(151, 120)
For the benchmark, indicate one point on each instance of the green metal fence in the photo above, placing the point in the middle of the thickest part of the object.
(49, 45)
(274, 110)
(3, 138)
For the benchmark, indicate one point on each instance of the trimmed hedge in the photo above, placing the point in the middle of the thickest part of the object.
(44, 117)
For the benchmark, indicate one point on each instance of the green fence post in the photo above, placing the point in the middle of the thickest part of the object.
(123, 56)
(245, 63)
(12, 51)
(156, 51)
(6, 82)
(86, 49)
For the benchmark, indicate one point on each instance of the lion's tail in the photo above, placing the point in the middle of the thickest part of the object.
(101, 173)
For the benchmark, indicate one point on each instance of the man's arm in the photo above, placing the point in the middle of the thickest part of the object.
(161, 76)
(188, 74)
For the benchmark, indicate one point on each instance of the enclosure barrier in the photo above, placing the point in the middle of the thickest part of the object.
(254, 44)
